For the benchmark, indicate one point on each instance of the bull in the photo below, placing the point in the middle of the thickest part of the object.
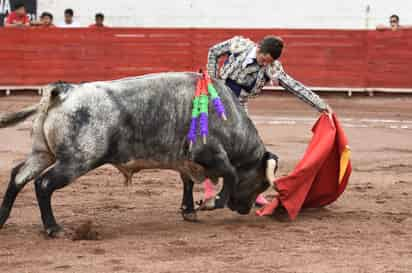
(134, 124)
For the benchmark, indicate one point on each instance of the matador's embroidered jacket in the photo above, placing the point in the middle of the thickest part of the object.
(250, 76)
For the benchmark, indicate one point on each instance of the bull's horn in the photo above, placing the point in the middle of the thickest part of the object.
(271, 167)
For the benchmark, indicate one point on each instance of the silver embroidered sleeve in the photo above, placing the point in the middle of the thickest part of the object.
(301, 91)
(295, 87)
(215, 53)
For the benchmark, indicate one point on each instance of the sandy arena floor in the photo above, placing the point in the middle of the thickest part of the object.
(140, 229)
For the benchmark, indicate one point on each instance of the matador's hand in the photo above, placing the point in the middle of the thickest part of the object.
(328, 111)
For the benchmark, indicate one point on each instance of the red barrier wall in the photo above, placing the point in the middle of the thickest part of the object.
(323, 58)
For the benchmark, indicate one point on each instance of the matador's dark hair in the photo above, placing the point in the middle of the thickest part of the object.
(271, 45)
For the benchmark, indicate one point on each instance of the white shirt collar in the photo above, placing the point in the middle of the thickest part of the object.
(72, 25)
(250, 57)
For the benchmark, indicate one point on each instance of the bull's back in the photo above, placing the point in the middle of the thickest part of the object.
(140, 118)
(144, 117)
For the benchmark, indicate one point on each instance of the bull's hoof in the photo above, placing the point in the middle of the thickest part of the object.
(55, 231)
(188, 213)
(190, 216)
(4, 215)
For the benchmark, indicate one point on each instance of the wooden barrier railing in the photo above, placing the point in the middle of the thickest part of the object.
(322, 58)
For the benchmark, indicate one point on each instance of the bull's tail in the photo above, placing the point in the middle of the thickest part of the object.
(9, 119)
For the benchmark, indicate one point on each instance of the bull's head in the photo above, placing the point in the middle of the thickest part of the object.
(252, 182)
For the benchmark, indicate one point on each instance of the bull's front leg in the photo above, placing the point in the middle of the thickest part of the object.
(229, 184)
(188, 205)
(220, 165)
(222, 197)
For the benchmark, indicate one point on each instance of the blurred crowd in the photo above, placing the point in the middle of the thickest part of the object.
(18, 18)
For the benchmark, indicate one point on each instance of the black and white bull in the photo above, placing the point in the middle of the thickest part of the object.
(134, 124)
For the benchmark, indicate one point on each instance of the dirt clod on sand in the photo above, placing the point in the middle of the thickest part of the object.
(86, 231)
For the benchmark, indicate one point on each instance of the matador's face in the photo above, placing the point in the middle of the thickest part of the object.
(263, 59)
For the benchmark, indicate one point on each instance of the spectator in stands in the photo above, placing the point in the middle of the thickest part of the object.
(394, 24)
(18, 17)
(46, 20)
(68, 19)
(99, 21)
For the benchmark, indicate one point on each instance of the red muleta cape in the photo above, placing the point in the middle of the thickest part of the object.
(321, 176)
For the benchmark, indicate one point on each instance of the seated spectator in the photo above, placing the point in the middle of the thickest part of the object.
(394, 24)
(18, 17)
(99, 21)
(68, 19)
(46, 20)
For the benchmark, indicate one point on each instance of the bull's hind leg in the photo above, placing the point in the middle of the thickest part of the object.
(57, 177)
(188, 204)
(34, 165)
